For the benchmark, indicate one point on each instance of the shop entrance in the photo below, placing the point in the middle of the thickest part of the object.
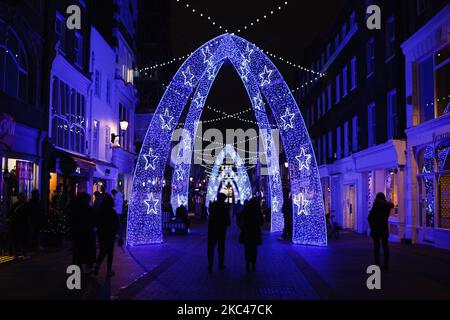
(350, 206)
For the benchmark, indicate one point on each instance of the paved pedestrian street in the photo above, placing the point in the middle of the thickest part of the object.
(177, 269)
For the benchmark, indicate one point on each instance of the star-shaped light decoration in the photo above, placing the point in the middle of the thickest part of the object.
(265, 76)
(301, 203)
(304, 159)
(287, 119)
(244, 71)
(187, 143)
(199, 100)
(211, 72)
(188, 77)
(166, 119)
(207, 56)
(150, 159)
(274, 172)
(151, 203)
(247, 54)
(182, 201)
(258, 102)
(275, 204)
(180, 174)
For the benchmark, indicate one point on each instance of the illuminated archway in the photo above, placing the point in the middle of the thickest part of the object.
(240, 179)
(262, 81)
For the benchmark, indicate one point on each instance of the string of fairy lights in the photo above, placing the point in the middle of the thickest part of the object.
(220, 27)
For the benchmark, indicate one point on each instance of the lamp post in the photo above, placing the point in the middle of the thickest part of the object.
(123, 124)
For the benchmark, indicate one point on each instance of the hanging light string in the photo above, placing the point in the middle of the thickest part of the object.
(145, 70)
(249, 25)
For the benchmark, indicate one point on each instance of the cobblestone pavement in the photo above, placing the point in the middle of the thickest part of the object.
(177, 269)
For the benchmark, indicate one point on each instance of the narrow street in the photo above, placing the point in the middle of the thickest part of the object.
(177, 269)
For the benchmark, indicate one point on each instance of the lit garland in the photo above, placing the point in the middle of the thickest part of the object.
(263, 78)
(238, 30)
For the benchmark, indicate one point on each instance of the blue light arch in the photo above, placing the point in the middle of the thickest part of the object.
(261, 80)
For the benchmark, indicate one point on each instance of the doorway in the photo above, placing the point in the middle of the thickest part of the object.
(350, 207)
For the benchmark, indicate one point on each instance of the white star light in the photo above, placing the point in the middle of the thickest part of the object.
(245, 71)
(275, 204)
(150, 159)
(182, 201)
(247, 54)
(199, 100)
(258, 102)
(211, 72)
(188, 77)
(304, 159)
(166, 119)
(301, 203)
(151, 203)
(265, 76)
(207, 56)
(187, 143)
(180, 174)
(285, 117)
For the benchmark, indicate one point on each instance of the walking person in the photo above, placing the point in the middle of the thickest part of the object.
(379, 228)
(219, 220)
(107, 228)
(251, 221)
(118, 206)
(287, 215)
(37, 218)
(83, 234)
(18, 226)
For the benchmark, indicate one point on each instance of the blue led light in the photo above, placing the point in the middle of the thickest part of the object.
(263, 81)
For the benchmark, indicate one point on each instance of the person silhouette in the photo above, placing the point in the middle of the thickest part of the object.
(379, 228)
(218, 222)
(287, 216)
(107, 228)
(251, 220)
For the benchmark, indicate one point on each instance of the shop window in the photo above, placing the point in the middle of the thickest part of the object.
(392, 188)
(443, 157)
(13, 64)
(426, 187)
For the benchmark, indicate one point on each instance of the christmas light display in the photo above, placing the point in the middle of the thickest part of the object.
(264, 78)
(239, 179)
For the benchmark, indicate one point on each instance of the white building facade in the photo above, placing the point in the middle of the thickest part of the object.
(427, 55)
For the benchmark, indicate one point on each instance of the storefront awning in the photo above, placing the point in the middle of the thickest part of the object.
(106, 171)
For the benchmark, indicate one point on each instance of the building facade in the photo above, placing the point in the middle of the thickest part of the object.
(23, 123)
(427, 183)
(356, 113)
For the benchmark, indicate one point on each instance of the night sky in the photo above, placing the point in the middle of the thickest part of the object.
(286, 33)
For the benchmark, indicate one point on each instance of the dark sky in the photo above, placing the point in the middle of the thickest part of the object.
(286, 33)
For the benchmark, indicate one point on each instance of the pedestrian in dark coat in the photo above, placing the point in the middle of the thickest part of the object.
(107, 228)
(18, 226)
(287, 215)
(379, 227)
(251, 221)
(37, 218)
(83, 232)
(219, 220)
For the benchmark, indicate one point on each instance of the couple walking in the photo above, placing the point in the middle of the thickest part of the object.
(250, 220)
